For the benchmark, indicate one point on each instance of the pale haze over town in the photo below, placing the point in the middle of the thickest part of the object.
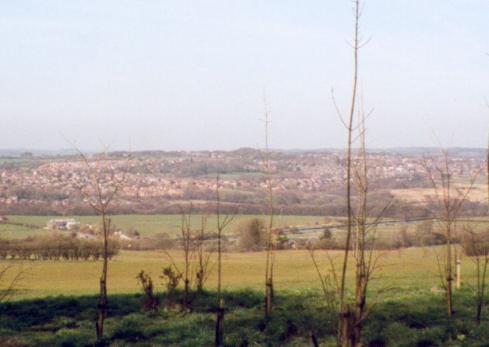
(192, 75)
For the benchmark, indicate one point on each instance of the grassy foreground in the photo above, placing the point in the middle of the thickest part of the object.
(68, 321)
(56, 302)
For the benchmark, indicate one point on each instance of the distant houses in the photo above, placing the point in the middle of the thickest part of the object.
(85, 231)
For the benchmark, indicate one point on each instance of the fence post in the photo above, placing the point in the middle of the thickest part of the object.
(459, 274)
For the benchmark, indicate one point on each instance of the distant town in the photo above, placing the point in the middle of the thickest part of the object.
(304, 182)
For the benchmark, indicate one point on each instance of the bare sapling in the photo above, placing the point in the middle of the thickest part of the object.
(270, 259)
(329, 281)
(345, 311)
(100, 192)
(9, 278)
(188, 253)
(222, 222)
(364, 225)
(476, 246)
(450, 199)
(365, 231)
(204, 266)
(151, 301)
(9, 281)
(171, 276)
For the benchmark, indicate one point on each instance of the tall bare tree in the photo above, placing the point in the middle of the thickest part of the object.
(352, 316)
(344, 317)
(222, 222)
(99, 192)
(476, 246)
(270, 259)
(450, 199)
(204, 266)
(366, 222)
(188, 252)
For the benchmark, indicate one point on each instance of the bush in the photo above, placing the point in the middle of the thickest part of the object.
(151, 301)
(476, 245)
(252, 235)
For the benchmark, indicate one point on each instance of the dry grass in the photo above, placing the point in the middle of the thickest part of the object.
(407, 271)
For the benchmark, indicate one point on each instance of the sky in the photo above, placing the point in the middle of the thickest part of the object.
(193, 75)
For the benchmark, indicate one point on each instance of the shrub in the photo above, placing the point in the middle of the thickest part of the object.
(252, 235)
(151, 301)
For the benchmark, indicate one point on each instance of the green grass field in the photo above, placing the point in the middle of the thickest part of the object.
(403, 273)
(54, 302)
(410, 269)
(146, 224)
(149, 225)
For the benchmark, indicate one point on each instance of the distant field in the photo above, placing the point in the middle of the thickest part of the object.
(170, 224)
(478, 192)
(404, 273)
(147, 224)
(8, 231)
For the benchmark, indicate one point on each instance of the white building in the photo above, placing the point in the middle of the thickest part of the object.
(62, 224)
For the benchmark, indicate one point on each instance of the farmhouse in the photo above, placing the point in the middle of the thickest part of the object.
(119, 234)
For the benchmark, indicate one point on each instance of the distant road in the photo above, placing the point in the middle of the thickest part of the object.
(310, 229)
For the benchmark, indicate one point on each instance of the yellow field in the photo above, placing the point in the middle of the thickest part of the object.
(404, 272)
(478, 193)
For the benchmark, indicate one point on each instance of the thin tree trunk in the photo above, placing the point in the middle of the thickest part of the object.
(219, 330)
(480, 289)
(99, 198)
(449, 274)
(219, 333)
(187, 245)
(103, 300)
(270, 257)
(219, 238)
(344, 316)
(449, 223)
(479, 312)
(202, 264)
(362, 271)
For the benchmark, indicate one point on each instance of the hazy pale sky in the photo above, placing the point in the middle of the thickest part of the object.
(177, 74)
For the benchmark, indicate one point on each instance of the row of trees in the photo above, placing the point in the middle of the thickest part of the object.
(57, 247)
